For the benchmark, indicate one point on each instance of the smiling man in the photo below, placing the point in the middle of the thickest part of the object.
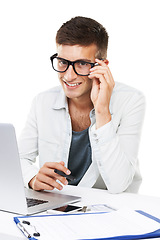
(89, 126)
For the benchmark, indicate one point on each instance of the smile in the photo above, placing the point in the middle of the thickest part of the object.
(71, 85)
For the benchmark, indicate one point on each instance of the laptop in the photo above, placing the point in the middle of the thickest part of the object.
(14, 196)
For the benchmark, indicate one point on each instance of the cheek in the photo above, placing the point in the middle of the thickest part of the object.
(60, 76)
(88, 82)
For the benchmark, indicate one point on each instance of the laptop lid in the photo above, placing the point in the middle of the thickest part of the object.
(13, 194)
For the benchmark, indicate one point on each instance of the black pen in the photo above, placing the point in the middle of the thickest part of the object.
(25, 232)
(69, 177)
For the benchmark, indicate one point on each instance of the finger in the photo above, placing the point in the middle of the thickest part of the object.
(98, 76)
(62, 163)
(50, 173)
(56, 165)
(100, 71)
(102, 62)
(100, 65)
(110, 75)
(105, 72)
(38, 186)
(63, 180)
(45, 180)
(100, 68)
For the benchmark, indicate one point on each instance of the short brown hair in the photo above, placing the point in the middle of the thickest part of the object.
(84, 32)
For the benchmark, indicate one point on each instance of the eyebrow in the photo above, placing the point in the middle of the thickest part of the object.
(81, 59)
(85, 60)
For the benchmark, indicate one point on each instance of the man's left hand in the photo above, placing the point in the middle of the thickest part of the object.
(102, 87)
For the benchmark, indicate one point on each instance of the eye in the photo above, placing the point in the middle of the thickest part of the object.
(82, 64)
(62, 62)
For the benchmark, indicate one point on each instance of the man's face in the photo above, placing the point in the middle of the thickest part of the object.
(76, 86)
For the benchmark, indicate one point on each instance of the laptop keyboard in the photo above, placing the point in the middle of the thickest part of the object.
(32, 202)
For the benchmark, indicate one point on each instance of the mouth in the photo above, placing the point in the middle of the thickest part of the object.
(71, 84)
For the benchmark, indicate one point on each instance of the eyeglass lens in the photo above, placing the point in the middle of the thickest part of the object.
(80, 67)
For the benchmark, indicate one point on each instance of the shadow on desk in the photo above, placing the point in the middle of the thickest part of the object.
(9, 237)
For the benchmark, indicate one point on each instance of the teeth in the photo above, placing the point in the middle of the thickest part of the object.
(72, 85)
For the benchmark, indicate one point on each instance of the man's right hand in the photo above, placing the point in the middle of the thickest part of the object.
(46, 178)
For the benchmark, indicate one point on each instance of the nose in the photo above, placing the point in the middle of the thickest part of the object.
(70, 74)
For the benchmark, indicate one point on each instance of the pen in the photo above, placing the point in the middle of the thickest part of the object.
(25, 232)
(69, 177)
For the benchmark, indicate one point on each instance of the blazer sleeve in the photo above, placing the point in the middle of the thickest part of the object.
(115, 146)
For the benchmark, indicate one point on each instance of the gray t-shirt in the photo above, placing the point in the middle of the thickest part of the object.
(80, 156)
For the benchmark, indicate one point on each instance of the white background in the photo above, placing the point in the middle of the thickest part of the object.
(27, 40)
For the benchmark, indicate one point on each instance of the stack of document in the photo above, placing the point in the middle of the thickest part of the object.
(120, 224)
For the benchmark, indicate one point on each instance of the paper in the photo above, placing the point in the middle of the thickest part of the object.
(93, 225)
(100, 208)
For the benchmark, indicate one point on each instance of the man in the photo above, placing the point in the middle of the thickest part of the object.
(89, 126)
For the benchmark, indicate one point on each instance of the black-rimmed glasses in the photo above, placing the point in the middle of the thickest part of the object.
(80, 67)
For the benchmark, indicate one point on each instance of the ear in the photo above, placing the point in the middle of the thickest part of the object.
(106, 61)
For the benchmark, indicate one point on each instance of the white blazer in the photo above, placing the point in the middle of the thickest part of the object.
(114, 166)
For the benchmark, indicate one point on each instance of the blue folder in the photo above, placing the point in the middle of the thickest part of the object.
(154, 234)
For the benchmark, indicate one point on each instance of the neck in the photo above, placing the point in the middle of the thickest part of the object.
(81, 104)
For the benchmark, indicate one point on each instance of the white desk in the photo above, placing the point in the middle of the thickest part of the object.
(151, 205)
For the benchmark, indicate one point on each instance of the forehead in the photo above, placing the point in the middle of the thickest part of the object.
(76, 52)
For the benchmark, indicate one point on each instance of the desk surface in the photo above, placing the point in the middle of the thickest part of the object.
(151, 205)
